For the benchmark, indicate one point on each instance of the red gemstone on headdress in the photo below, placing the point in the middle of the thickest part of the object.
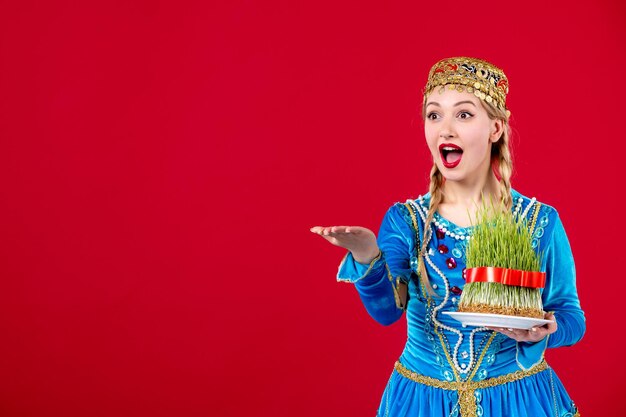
(443, 249)
(439, 70)
(453, 67)
(456, 290)
(440, 234)
(451, 263)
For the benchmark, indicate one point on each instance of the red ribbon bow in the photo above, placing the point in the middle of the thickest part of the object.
(506, 276)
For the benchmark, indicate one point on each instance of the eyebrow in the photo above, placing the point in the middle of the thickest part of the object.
(457, 104)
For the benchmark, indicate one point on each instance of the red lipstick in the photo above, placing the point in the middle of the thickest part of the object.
(450, 150)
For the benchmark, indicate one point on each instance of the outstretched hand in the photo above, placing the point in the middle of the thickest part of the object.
(534, 334)
(358, 240)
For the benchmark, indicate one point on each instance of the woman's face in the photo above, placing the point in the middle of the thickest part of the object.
(459, 134)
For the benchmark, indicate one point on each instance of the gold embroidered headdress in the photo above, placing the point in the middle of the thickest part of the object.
(484, 80)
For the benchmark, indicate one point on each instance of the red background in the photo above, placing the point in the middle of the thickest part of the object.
(162, 162)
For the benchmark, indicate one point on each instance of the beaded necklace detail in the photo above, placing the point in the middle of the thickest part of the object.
(433, 315)
(442, 229)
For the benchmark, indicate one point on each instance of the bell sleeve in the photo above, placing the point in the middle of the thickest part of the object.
(377, 282)
(559, 296)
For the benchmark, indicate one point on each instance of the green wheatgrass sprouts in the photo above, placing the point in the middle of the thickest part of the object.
(500, 240)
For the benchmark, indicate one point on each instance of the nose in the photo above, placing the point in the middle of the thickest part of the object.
(446, 131)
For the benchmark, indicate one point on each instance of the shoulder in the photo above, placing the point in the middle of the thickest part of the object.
(540, 217)
(406, 216)
(412, 211)
(400, 212)
(529, 207)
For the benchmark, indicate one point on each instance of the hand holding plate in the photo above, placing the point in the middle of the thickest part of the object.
(534, 334)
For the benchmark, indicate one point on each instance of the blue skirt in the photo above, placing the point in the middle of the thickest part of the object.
(539, 395)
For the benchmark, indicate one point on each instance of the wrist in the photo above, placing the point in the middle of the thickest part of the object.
(366, 258)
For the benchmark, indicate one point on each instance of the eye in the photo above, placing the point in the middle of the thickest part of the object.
(431, 116)
(465, 115)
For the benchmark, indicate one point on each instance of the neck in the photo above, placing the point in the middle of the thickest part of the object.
(471, 193)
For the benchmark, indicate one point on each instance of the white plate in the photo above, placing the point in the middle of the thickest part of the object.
(496, 320)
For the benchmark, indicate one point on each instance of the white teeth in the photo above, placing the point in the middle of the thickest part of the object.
(447, 148)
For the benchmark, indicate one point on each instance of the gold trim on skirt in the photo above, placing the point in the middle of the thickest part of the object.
(466, 389)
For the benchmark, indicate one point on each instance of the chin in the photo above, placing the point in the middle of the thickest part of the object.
(451, 174)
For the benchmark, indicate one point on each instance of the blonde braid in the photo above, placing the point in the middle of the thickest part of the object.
(505, 166)
(500, 151)
(436, 195)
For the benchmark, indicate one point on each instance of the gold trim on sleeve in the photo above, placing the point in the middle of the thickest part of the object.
(371, 265)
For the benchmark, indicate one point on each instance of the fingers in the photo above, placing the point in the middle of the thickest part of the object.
(316, 229)
(353, 238)
(553, 326)
(333, 230)
(502, 329)
(513, 333)
(506, 331)
(533, 334)
(336, 235)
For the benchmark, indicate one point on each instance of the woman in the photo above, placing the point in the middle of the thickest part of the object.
(416, 264)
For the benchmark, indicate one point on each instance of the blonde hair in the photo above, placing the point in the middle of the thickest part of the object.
(500, 157)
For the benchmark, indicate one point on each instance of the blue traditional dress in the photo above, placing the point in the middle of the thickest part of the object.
(450, 370)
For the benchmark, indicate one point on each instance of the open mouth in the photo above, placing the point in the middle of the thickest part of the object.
(450, 154)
